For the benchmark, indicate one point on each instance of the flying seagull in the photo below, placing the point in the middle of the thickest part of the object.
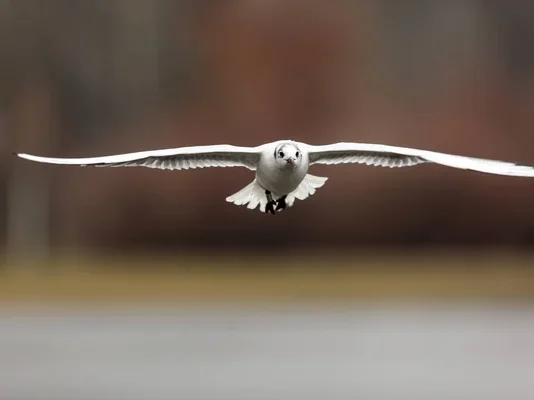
(282, 166)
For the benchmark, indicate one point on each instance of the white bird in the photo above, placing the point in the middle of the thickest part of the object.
(282, 166)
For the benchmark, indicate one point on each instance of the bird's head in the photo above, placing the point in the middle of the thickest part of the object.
(287, 155)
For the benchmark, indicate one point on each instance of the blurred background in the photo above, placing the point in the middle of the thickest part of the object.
(88, 78)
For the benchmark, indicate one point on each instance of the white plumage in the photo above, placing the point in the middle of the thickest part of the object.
(171, 159)
(282, 166)
(392, 156)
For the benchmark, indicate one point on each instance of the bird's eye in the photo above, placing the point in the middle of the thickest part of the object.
(281, 153)
(297, 154)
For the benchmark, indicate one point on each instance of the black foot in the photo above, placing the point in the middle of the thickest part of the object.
(281, 203)
(269, 208)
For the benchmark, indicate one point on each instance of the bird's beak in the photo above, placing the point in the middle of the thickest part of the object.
(291, 161)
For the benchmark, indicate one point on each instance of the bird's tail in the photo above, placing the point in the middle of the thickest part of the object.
(307, 187)
(253, 195)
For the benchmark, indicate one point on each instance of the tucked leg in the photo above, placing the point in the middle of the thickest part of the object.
(281, 203)
(269, 208)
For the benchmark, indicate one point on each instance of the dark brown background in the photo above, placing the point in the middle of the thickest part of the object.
(82, 78)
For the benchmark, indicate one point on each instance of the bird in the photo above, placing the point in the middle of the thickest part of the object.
(281, 167)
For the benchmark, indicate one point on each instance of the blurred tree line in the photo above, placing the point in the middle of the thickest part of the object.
(86, 78)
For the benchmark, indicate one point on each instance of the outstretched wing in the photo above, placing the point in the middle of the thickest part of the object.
(392, 156)
(178, 158)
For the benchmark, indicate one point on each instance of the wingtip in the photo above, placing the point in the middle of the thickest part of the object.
(20, 155)
(23, 156)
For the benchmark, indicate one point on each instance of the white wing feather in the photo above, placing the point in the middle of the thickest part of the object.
(393, 156)
(171, 159)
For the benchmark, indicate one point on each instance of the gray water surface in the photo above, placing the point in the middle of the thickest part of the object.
(258, 353)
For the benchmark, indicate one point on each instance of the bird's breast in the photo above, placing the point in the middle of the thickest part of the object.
(280, 181)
